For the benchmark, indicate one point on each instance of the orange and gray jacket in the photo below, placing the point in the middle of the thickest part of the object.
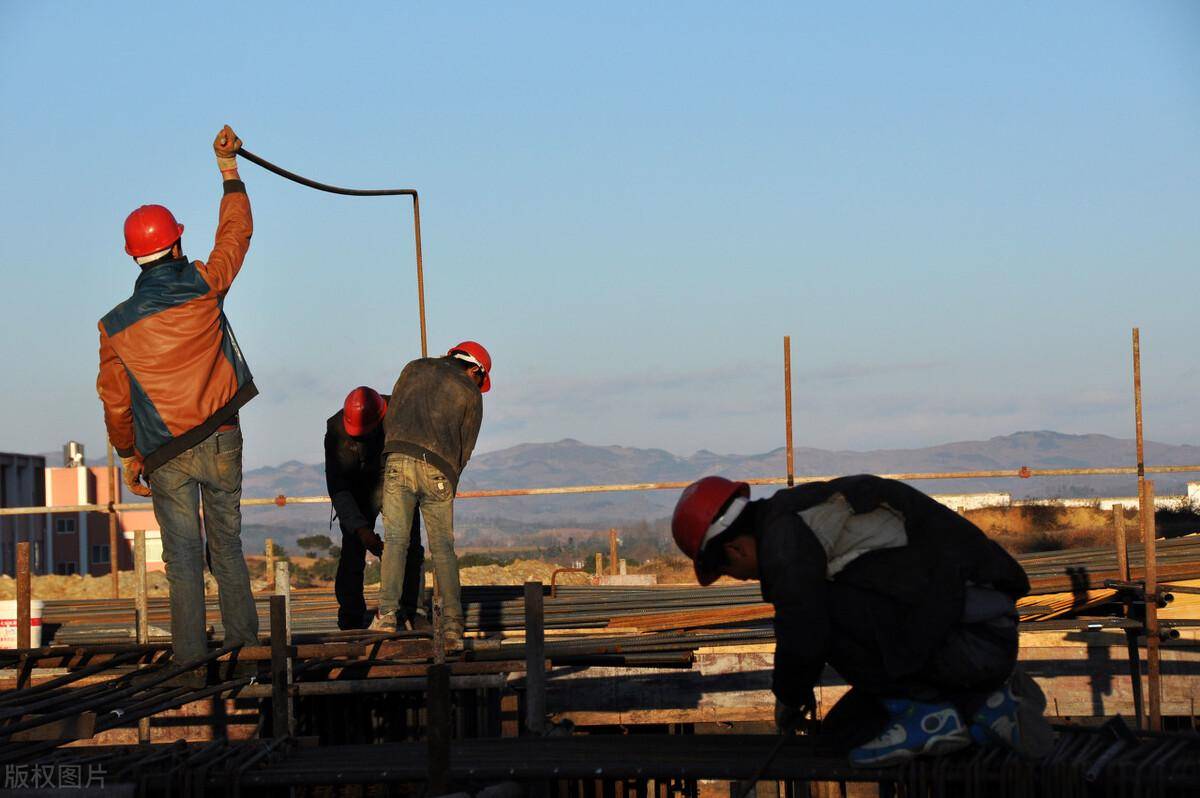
(171, 371)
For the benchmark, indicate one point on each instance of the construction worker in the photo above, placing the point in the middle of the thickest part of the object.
(354, 476)
(908, 601)
(430, 429)
(172, 379)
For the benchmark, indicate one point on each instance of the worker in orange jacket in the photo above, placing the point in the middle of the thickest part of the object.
(172, 380)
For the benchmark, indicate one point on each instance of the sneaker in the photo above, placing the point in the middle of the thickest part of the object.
(996, 720)
(384, 622)
(915, 729)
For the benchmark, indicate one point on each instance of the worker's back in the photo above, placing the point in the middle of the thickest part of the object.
(434, 414)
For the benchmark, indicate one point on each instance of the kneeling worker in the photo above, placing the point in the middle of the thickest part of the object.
(908, 601)
(354, 476)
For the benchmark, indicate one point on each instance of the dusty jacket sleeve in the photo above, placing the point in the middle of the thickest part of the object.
(349, 514)
(472, 420)
(793, 576)
(235, 225)
(112, 384)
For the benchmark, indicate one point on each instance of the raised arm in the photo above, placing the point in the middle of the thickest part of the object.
(235, 224)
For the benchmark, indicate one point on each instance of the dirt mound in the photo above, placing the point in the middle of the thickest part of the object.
(100, 587)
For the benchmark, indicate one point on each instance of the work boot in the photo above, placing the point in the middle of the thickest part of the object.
(915, 729)
(385, 622)
(453, 634)
(996, 720)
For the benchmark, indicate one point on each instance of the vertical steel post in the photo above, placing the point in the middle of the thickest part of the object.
(612, 552)
(535, 659)
(24, 618)
(1146, 525)
(420, 272)
(1118, 514)
(269, 553)
(280, 672)
(1153, 668)
(113, 560)
(438, 736)
(787, 408)
(141, 611)
(599, 565)
(283, 587)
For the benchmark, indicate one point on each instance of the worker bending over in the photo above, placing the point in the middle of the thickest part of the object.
(430, 429)
(172, 379)
(354, 476)
(908, 601)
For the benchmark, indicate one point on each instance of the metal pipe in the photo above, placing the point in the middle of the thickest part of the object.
(1153, 681)
(787, 407)
(142, 620)
(535, 660)
(1118, 515)
(24, 617)
(280, 700)
(359, 192)
(438, 737)
(612, 552)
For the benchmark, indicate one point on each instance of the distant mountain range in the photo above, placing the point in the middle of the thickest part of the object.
(570, 462)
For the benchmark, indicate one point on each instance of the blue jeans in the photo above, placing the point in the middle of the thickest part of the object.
(409, 483)
(211, 469)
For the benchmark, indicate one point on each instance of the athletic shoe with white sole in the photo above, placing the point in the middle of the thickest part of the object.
(915, 729)
(996, 720)
(384, 622)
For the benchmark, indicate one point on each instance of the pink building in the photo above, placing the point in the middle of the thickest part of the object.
(71, 542)
(78, 542)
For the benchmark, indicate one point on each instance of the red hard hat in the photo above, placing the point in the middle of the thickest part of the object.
(150, 229)
(700, 505)
(481, 357)
(363, 411)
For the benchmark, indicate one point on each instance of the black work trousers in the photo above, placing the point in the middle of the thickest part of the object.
(348, 583)
(974, 659)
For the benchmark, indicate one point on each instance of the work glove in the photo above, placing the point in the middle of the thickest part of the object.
(790, 718)
(132, 468)
(226, 145)
(371, 541)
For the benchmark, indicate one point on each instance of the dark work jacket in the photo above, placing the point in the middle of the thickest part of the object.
(435, 416)
(907, 599)
(353, 472)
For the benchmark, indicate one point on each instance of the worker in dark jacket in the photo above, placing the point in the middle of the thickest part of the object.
(908, 601)
(354, 476)
(432, 423)
(172, 379)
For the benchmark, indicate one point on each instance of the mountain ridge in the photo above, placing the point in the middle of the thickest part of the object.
(570, 461)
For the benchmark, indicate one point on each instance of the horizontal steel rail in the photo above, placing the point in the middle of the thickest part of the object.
(1005, 473)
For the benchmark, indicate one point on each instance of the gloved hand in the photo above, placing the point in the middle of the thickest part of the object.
(226, 145)
(371, 540)
(790, 718)
(131, 468)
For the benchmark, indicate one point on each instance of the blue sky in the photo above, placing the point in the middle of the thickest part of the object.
(956, 210)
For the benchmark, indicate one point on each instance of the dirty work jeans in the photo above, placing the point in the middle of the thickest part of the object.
(211, 469)
(409, 483)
